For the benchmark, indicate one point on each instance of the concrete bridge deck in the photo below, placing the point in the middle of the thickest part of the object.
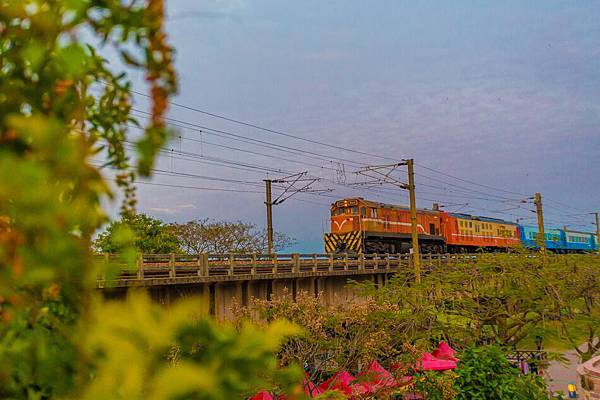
(221, 280)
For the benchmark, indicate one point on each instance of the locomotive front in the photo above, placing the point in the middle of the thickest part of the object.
(346, 232)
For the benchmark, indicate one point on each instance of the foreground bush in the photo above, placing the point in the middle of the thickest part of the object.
(484, 373)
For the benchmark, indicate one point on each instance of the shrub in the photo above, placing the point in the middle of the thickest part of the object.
(485, 373)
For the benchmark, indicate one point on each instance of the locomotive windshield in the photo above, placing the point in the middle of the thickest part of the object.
(339, 211)
(345, 210)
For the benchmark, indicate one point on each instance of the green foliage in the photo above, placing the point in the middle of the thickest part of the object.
(573, 285)
(130, 344)
(334, 338)
(508, 299)
(437, 385)
(55, 116)
(148, 235)
(61, 105)
(36, 349)
(484, 373)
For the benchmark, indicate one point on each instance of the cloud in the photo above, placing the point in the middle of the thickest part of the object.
(162, 210)
(175, 210)
(187, 206)
(210, 10)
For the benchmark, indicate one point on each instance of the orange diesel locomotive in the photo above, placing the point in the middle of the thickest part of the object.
(359, 225)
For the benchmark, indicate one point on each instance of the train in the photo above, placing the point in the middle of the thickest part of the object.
(364, 226)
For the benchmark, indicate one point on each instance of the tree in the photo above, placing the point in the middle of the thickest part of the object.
(484, 373)
(219, 237)
(334, 338)
(151, 236)
(573, 285)
(510, 299)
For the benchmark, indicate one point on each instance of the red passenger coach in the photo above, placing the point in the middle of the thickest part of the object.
(465, 232)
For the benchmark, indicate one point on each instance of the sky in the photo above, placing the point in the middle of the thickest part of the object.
(504, 94)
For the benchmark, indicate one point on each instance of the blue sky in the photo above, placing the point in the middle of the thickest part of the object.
(506, 94)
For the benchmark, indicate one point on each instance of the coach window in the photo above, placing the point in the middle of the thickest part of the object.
(354, 210)
(373, 213)
(363, 211)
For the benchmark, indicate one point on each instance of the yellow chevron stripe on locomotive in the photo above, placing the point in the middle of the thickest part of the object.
(350, 242)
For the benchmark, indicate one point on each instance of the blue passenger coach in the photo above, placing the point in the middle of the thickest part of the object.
(559, 240)
(553, 237)
(580, 241)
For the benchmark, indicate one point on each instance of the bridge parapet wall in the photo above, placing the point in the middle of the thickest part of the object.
(219, 280)
(173, 269)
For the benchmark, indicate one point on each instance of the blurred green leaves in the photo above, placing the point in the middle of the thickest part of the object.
(61, 105)
(130, 343)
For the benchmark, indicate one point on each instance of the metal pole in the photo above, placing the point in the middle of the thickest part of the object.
(540, 218)
(269, 204)
(597, 233)
(413, 220)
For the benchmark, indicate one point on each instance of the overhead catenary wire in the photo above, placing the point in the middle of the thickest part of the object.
(456, 189)
(470, 182)
(200, 158)
(188, 175)
(201, 188)
(455, 186)
(206, 129)
(269, 130)
(204, 142)
(464, 189)
(256, 184)
(169, 152)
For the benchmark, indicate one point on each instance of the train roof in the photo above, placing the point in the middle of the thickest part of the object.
(580, 232)
(480, 218)
(371, 203)
(548, 229)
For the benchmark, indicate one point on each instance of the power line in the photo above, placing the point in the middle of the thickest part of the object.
(206, 129)
(221, 190)
(273, 131)
(204, 142)
(329, 158)
(465, 190)
(469, 190)
(470, 182)
(169, 152)
(197, 187)
(357, 164)
(200, 158)
(187, 175)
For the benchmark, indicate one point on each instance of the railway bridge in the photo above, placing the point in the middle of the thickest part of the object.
(219, 279)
